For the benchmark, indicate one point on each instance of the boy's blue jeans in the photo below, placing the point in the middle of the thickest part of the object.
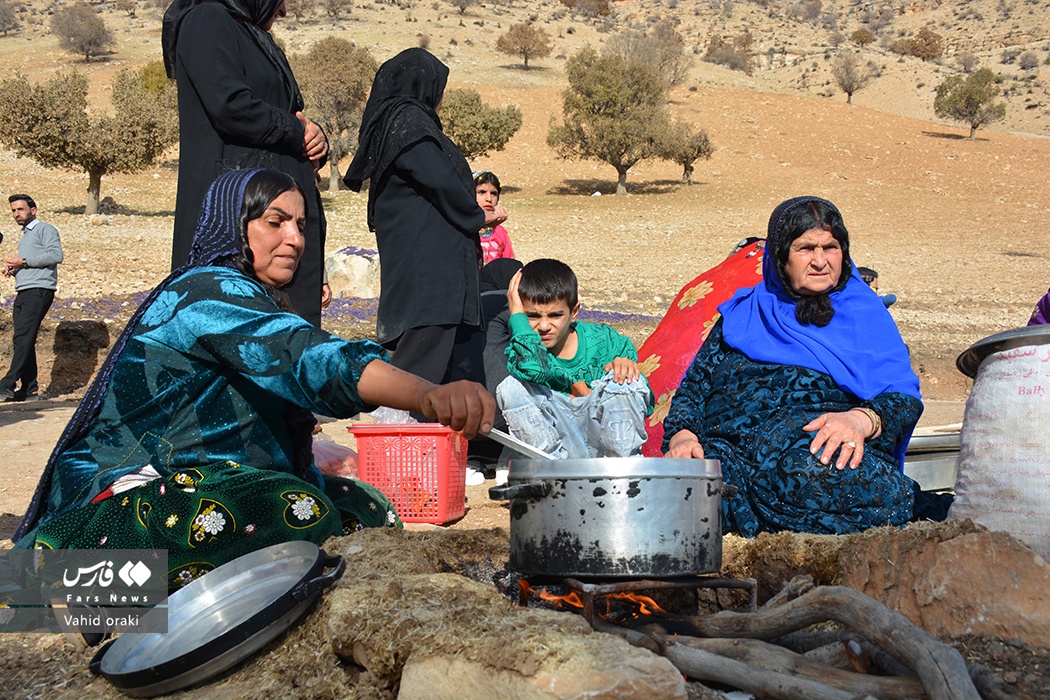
(608, 422)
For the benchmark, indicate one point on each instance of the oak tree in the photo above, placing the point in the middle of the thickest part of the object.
(335, 77)
(525, 41)
(475, 127)
(50, 123)
(970, 99)
(681, 143)
(613, 112)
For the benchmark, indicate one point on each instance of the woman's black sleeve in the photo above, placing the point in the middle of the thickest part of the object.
(211, 56)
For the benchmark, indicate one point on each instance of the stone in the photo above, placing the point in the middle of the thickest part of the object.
(975, 583)
(439, 636)
(451, 678)
(353, 273)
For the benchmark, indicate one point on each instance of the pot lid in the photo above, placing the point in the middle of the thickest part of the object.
(615, 468)
(219, 619)
(971, 358)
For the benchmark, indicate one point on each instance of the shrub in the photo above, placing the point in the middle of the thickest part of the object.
(966, 61)
(1028, 60)
(81, 30)
(862, 37)
(926, 45)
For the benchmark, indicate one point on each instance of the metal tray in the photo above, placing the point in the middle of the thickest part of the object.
(971, 358)
(220, 619)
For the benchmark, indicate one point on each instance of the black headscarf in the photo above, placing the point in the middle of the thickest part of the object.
(402, 111)
(218, 240)
(252, 14)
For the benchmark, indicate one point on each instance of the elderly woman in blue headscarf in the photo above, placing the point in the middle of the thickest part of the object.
(804, 390)
(195, 436)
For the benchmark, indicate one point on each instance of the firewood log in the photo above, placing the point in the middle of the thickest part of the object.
(941, 668)
(769, 657)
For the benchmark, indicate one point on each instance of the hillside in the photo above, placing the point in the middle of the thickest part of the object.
(926, 207)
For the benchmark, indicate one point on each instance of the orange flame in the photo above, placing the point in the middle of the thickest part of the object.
(571, 599)
(645, 604)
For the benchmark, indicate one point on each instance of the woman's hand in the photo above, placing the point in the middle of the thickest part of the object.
(463, 406)
(845, 430)
(685, 445)
(514, 305)
(315, 143)
(495, 217)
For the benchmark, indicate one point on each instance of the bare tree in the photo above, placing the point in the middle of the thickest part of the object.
(81, 30)
(126, 6)
(525, 41)
(852, 73)
(662, 49)
(8, 19)
(462, 4)
(299, 9)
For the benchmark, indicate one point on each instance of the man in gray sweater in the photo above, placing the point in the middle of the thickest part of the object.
(35, 270)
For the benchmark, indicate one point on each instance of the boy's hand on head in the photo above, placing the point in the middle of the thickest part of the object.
(514, 305)
(624, 370)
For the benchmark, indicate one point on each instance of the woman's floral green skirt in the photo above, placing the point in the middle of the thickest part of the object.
(208, 516)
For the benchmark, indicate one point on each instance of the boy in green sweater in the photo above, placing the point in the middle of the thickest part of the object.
(574, 388)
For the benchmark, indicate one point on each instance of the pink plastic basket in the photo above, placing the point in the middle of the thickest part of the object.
(420, 467)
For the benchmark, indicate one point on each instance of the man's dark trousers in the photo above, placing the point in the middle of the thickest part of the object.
(30, 307)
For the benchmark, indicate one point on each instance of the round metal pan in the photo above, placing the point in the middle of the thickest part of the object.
(971, 358)
(220, 619)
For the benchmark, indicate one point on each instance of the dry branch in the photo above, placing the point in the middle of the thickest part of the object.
(941, 668)
(705, 666)
(773, 658)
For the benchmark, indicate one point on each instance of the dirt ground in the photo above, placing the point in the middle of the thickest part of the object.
(956, 228)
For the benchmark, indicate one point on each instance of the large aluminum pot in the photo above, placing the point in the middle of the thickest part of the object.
(614, 517)
(1003, 449)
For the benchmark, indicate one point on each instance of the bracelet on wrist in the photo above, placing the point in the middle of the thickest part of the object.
(876, 421)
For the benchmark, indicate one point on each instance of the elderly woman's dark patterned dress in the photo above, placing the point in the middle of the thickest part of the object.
(750, 415)
(771, 366)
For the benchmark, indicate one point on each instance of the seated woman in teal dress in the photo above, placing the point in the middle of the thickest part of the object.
(804, 391)
(195, 436)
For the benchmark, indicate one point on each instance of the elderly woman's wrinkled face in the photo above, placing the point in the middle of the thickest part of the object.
(814, 263)
(276, 239)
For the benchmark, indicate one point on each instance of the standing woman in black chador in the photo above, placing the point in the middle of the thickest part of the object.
(423, 209)
(240, 107)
